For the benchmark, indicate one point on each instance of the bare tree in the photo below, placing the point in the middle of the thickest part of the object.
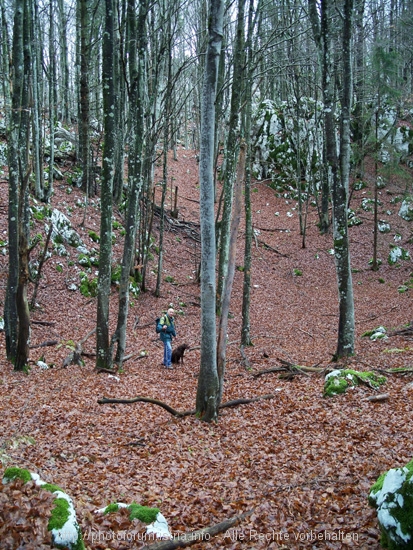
(207, 398)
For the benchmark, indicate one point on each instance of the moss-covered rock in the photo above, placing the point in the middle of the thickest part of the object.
(392, 497)
(14, 472)
(152, 517)
(338, 381)
(62, 523)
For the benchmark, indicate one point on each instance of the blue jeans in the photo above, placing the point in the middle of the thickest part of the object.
(167, 353)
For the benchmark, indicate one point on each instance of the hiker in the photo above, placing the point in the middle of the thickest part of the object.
(166, 329)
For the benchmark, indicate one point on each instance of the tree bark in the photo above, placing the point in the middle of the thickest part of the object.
(10, 308)
(231, 153)
(137, 41)
(103, 348)
(223, 321)
(207, 398)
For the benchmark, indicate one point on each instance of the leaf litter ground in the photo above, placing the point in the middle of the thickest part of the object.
(302, 463)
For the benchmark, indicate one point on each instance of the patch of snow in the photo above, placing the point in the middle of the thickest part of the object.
(332, 374)
(159, 527)
(69, 533)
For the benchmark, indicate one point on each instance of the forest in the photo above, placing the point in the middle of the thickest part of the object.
(248, 164)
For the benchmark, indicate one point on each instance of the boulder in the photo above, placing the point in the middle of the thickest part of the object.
(392, 497)
(406, 210)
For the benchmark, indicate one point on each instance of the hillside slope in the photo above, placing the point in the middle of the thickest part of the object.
(302, 462)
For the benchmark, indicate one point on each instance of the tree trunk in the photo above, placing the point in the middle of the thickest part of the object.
(103, 349)
(345, 343)
(231, 150)
(52, 98)
(23, 341)
(84, 96)
(223, 321)
(246, 287)
(137, 75)
(207, 398)
(10, 308)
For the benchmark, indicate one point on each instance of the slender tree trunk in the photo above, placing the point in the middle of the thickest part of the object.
(64, 63)
(137, 41)
(52, 97)
(346, 329)
(84, 99)
(231, 151)
(10, 310)
(37, 153)
(339, 170)
(103, 348)
(223, 321)
(246, 287)
(23, 341)
(207, 398)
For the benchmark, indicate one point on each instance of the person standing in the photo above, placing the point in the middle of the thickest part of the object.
(166, 329)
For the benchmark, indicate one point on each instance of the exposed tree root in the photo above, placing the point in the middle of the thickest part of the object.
(197, 536)
(180, 414)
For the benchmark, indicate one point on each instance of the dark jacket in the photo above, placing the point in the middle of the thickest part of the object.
(169, 333)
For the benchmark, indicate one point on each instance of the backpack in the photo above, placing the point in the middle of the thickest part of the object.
(156, 325)
(157, 320)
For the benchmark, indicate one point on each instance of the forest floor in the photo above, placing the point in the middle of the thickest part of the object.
(301, 463)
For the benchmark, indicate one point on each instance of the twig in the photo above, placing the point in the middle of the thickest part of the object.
(180, 414)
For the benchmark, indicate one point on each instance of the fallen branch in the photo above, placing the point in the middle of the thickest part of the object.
(268, 247)
(397, 370)
(138, 399)
(44, 323)
(304, 369)
(377, 398)
(179, 414)
(266, 371)
(44, 344)
(188, 539)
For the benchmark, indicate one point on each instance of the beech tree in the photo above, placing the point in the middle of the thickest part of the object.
(207, 398)
(231, 151)
(103, 348)
(338, 166)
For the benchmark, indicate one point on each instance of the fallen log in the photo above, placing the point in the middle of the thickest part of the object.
(180, 414)
(188, 539)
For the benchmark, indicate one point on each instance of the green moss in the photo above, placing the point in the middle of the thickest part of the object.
(110, 508)
(396, 534)
(52, 488)
(143, 513)
(339, 382)
(60, 514)
(14, 473)
(94, 236)
(378, 486)
(335, 385)
(116, 273)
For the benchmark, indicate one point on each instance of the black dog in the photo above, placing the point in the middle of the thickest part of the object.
(178, 354)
